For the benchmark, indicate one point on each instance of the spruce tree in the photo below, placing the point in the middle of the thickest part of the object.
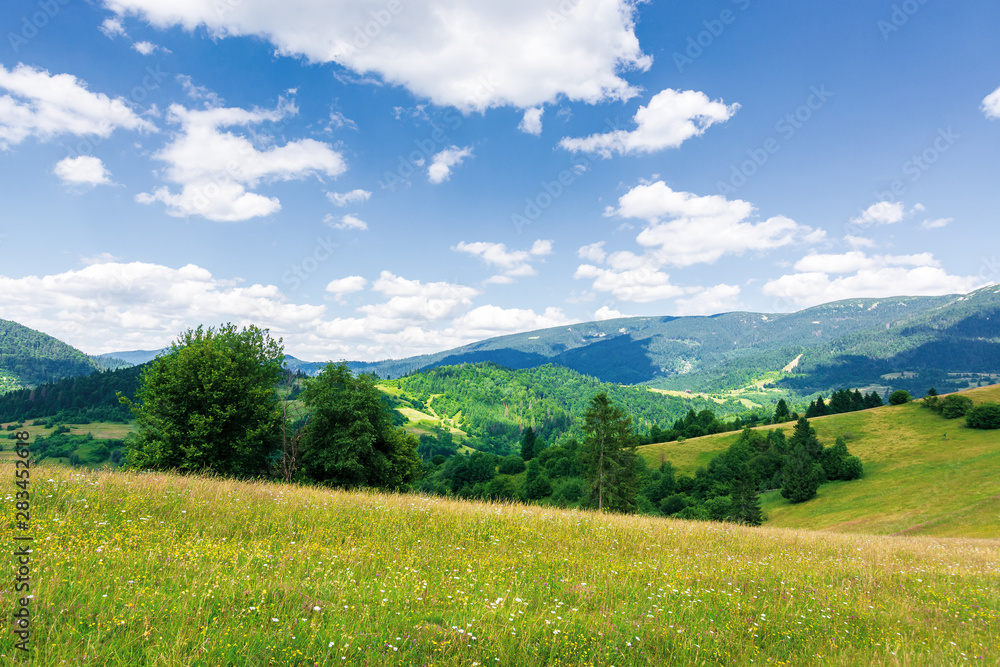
(800, 476)
(608, 456)
(528, 444)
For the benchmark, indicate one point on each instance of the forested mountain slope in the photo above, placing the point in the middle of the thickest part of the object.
(29, 357)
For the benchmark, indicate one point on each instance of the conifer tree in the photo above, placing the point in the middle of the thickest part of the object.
(608, 456)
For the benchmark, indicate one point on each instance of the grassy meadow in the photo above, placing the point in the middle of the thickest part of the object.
(156, 569)
(924, 475)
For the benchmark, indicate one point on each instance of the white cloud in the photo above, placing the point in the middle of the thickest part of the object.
(353, 197)
(343, 286)
(47, 105)
(339, 121)
(441, 163)
(882, 213)
(215, 168)
(532, 121)
(593, 252)
(937, 223)
(863, 276)
(489, 321)
(111, 305)
(607, 313)
(686, 229)
(709, 301)
(859, 241)
(196, 92)
(520, 53)
(639, 285)
(82, 170)
(148, 48)
(346, 222)
(513, 263)
(991, 104)
(112, 27)
(671, 118)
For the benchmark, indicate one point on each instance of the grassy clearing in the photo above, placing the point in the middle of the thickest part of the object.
(924, 475)
(162, 570)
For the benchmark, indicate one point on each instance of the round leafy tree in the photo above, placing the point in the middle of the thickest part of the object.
(899, 397)
(210, 404)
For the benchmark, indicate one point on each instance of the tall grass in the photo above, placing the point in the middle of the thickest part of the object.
(156, 569)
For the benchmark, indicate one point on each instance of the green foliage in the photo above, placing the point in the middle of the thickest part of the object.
(954, 406)
(511, 465)
(75, 400)
(528, 444)
(210, 404)
(801, 476)
(608, 457)
(899, 397)
(984, 416)
(781, 413)
(350, 440)
(498, 405)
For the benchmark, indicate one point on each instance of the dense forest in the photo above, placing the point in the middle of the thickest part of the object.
(29, 357)
(494, 405)
(76, 400)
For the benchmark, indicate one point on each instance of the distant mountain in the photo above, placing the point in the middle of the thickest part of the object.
(132, 357)
(874, 337)
(29, 357)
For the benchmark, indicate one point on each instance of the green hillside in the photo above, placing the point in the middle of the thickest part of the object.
(29, 357)
(137, 570)
(493, 405)
(924, 475)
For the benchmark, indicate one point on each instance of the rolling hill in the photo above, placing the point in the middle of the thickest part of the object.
(924, 475)
(29, 357)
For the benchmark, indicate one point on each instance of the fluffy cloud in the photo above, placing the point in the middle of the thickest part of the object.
(532, 121)
(111, 305)
(718, 299)
(607, 313)
(82, 170)
(148, 48)
(112, 27)
(937, 223)
(856, 275)
(520, 53)
(639, 285)
(593, 252)
(353, 197)
(685, 229)
(441, 163)
(489, 321)
(991, 104)
(346, 222)
(215, 168)
(671, 118)
(46, 105)
(513, 263)
(882, 213)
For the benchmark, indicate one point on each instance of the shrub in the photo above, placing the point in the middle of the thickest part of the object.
(984, 416)
(899, 397)
(954, 406)
(511, 465)
(851, 468)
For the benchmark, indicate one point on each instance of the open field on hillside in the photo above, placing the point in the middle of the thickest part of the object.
(924, 475)
(155, 569)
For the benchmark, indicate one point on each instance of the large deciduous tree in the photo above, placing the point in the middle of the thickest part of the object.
(350, 440)
(608, 456)
(210, 404)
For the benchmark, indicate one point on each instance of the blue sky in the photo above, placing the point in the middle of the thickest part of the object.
(376, 179)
